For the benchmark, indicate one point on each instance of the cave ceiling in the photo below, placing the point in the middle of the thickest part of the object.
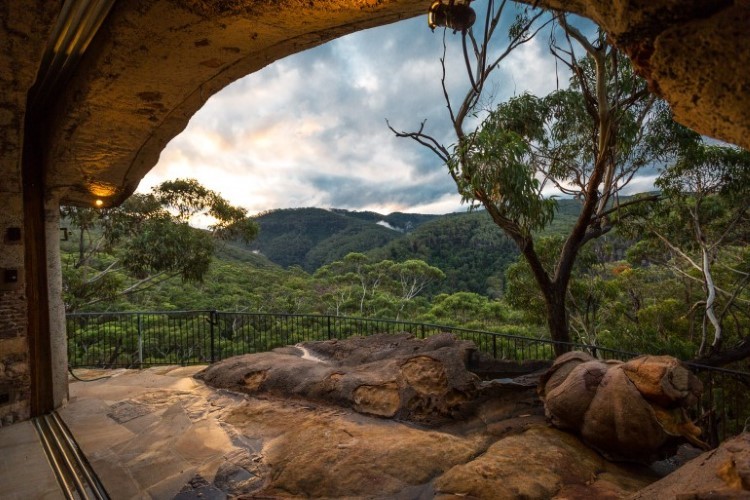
(153, 63)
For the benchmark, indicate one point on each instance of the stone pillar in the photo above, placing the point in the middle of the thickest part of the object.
(58, 335)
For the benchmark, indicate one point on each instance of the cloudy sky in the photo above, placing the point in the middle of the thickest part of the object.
(310, 130)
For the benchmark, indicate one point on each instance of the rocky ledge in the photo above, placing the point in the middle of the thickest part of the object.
(392, 376)
(383, 417)
(395, 416)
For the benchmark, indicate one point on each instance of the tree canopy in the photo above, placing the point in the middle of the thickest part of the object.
(148, 239)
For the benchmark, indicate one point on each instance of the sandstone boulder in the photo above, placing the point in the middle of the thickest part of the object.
(540, 463)
(393, 376)
(626, 410)
(720, 473)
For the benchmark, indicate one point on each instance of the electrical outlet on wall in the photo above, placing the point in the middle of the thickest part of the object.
(10, 279)
(12, 235)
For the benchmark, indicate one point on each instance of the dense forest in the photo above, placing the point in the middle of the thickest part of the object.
(465, 246)
(628, 292)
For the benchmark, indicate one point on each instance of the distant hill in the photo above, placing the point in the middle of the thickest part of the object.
(471, 250)
(468, 247)
(235, 252)
(312, 237)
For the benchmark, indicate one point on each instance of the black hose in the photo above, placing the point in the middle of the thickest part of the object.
(70, 369)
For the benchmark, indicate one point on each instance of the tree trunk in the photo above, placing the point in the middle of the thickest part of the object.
(710, 300)
(554, 295)
(557, 319)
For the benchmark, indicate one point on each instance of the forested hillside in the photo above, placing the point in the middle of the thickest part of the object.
(628, 290)
(311, 237)
(467, 247)
(471, 251)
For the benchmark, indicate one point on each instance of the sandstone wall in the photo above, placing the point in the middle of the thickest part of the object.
(24, 26)
(14, 352)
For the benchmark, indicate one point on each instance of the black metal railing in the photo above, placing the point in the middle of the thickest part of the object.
(137, 339)
(140, 339)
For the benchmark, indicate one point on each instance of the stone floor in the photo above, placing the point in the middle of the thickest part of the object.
(161, 434)
(25, 472)
(149, 433)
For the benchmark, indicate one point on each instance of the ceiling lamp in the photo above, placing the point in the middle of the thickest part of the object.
(453, 14)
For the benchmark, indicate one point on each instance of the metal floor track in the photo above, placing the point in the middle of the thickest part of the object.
(74, 473)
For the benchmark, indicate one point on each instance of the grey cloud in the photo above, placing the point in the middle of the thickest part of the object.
(345, 90)
(350, 192)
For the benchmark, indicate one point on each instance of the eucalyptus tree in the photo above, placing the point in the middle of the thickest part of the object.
(412, 277)
(701, 231)
(351, 282)
(147, 240)
(365, 287)
(587, 141)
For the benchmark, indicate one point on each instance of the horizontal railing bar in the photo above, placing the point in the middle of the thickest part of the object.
(376, 321)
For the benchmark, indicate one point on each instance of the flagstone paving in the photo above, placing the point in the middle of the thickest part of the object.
(25, 472)
(149, 433)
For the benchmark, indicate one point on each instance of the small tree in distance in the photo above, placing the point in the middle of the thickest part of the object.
(700, 231)
(356, 284)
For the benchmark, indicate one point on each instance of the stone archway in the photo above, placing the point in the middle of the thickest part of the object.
(152, 63)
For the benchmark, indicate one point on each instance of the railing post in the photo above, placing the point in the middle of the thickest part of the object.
(212, 322)
(329, 328)
(140, 342)
(421, 327)
(494, 346)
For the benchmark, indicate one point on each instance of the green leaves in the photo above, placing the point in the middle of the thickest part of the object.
(162, 246)
(495, 166)
(699, 231)
(358, 285)
(148, 238)
(186, 196)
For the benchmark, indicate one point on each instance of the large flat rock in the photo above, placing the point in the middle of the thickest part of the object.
(394, 376)
(160, 433)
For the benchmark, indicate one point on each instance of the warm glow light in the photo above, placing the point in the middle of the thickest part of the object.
(99, 203)
(101, 189)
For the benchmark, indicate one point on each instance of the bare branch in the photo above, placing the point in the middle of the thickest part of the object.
(425, 140)
(651, 199)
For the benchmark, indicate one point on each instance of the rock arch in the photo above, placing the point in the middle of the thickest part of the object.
(152, 63)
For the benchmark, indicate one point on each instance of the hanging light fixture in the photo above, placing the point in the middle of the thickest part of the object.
(453, 14)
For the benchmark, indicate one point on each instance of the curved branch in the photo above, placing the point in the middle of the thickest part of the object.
(425, 140)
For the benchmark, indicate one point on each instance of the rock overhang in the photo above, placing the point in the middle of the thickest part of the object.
(154, 63)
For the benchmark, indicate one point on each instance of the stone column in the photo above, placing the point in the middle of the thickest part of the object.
(25, 26)
(58, 335)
